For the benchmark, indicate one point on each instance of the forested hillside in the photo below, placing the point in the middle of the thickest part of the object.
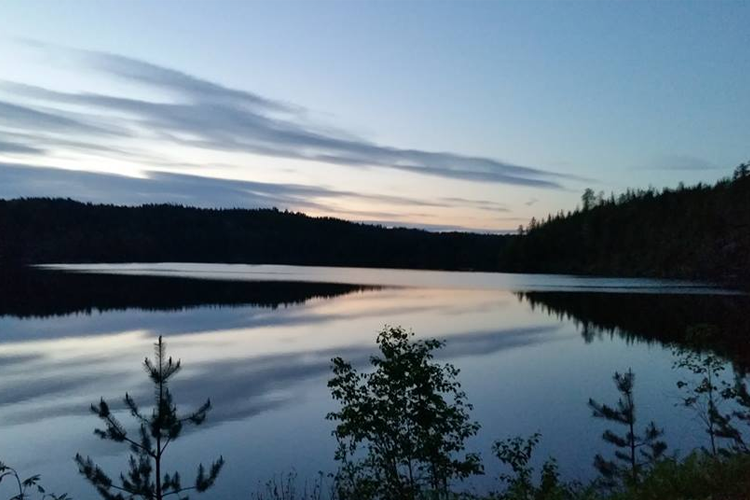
(700, 232)
(689, 232)
(57, 230)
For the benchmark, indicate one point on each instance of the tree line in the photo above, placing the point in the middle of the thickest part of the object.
(699, 232)
(696, 232)
(40, 230)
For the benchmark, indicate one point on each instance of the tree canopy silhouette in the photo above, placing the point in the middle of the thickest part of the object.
(41, 230)
(700, 232)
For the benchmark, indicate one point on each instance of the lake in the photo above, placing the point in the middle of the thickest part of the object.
(257, 340)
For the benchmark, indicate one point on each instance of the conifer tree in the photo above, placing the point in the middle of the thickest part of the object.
(588, 199)
(633, 451)
(742, 171)
(145, 478)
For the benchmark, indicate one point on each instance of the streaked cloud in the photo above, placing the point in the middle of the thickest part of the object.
(17, 148)
(682, 162)
(203, 114)
(166, 187)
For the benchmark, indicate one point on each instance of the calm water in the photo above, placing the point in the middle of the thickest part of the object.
(531, 349)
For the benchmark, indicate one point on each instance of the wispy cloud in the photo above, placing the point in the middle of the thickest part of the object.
(681, 162)
(43, 181)
(204, 114)
(39, 181)
(439, 228)
(480, 204)
(27, 118)
(17, 148)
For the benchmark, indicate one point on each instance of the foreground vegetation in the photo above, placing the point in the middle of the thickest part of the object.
(402, 428)
(403, 425)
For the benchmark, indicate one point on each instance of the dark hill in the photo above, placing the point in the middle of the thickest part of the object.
(57, 230)
(700, 232)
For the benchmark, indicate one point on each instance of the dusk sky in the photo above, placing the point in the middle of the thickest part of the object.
(444, 115)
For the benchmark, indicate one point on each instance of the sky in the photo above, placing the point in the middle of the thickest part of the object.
(463, 115)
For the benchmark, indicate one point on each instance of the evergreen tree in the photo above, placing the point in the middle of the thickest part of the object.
(401, 427)
(144, 479)
(588, 199)
(633, 451)
(742, 171)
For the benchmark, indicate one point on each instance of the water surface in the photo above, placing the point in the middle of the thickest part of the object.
(258, 340)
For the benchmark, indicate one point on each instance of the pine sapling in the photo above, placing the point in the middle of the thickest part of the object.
(633, 451)
(145, 478)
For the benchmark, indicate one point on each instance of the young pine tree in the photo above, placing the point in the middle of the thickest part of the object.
(633, 451)
(145, 478)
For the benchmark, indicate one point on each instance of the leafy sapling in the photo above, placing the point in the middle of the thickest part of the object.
(516, 453)
(402, 427)
(741, 395)
(705, 394)
(28, 488)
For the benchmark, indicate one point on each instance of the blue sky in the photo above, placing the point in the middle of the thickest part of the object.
(461, 114)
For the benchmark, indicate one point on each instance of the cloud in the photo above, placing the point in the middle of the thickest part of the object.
(682, 162)
(480, 204)
(438, 228)
(18, 180)
(24, 180)
(25, 118)
(170, 79)
(38, 181)
(207, 115)
(240, 388)
(17, 148)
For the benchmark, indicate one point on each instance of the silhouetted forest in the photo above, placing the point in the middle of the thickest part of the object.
(32, 293)
(690, 232)
(57, 230)
(651, 317)
(699, 232)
